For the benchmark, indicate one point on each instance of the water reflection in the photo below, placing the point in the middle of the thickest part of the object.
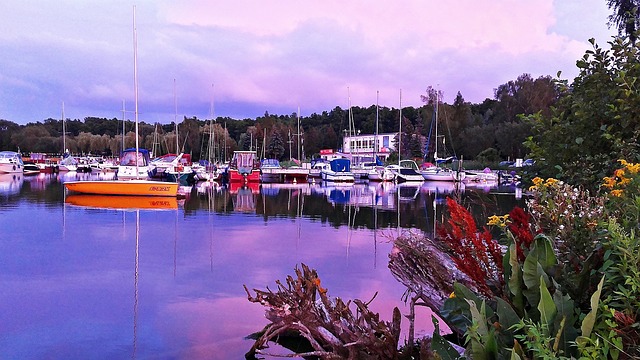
(80, 285)
(10, 184)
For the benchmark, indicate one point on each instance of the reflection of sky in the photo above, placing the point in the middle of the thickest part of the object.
(68, 279)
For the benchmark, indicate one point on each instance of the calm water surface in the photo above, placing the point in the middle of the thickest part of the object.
(84, 279)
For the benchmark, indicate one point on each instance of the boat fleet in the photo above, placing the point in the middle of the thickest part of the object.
(244, 167)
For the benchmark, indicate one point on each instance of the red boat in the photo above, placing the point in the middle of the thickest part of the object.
(244, 167)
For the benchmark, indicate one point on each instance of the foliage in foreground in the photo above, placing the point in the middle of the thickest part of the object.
(545, 289)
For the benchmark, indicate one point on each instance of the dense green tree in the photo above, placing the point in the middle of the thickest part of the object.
(275, 149)
(625, 17)
(595, 123)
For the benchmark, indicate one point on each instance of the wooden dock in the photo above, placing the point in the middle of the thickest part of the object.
(287, 174)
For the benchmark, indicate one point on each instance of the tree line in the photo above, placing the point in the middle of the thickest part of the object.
(494, 129)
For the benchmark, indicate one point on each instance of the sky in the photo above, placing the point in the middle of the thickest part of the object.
(244, 58)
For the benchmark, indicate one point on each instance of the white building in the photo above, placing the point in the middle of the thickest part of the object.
(362, 148)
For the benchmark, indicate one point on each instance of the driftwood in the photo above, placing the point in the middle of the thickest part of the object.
(302, 308)
(425, 269)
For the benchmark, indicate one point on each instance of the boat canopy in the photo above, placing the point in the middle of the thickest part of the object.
(128, 157)
(340, 165)
(244, 161)
(270, 163)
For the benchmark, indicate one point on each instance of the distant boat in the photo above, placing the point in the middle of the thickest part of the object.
(244, 167)
(267, 173)
(138, 159)
(407, 170)
(10, 162)
(436, 172)
(380, 173)
(30, 168)
(337, 170)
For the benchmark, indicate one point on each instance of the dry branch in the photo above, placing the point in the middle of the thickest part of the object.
(301, 307)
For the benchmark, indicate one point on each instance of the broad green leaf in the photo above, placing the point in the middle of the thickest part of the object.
(440, 345)
(515, 281)
(546, 306)
(590, 319)
(478, 318)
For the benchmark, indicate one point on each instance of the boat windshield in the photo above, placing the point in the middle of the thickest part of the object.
(129, 159)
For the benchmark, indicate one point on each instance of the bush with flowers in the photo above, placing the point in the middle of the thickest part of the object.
(570, 274)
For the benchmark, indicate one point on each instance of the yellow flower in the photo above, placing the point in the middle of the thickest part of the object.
(537, 181)
(619, 173)
(609, 182)
(496, 220)
(633, 168)
(551, 182)
(616, 193)
(452, 295)
(623, 162)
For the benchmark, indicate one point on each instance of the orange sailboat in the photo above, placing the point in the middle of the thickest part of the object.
(135, 186)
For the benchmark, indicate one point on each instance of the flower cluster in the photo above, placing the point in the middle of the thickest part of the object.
(567, 214)
(474, 252)
(621, 178)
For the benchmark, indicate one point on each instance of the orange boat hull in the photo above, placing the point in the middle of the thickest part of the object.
(125, 202)
(124, 187)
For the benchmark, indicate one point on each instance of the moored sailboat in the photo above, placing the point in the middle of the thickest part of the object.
(135, 186)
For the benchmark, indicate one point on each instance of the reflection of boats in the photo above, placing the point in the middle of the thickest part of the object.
(408, 191)
(10, 162)
(123, 202)
(337, 170)
(244, 197)
(10, 183)
(244, 167)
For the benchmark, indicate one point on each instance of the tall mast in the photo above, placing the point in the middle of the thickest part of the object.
(211, 132)
(435, 152)
(64, 133)
(375, 140)
(123, 119)
(175, 117)
(135, 81)
(400, 131)
(299, 133)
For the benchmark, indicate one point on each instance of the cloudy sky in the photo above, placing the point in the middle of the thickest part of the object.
(250, 57)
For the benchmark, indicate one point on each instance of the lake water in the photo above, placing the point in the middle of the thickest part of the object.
(81, 278)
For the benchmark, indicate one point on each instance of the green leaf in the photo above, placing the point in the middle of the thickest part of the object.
(515, 280)
(579, 140)
(507, 317)
(478, 318)
(590, 319)
(546, 306)
(440, 345)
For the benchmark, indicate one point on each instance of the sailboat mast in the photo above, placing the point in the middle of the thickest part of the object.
(375, 141)
(435, 152)
(123, 119)
(400, 131)
(211, 132)
(175, 117)
(135, 81)
(64, 133)
(299, 133)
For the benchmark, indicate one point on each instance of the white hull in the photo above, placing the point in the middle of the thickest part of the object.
(337, 176)
(10, 162)
(10, 168)
(443, 175)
